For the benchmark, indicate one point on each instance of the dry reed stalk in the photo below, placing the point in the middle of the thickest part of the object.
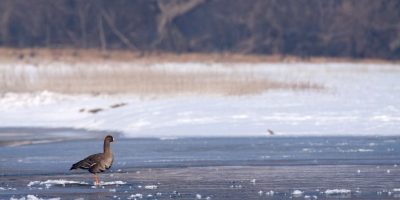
(144, 81)
(74, 71)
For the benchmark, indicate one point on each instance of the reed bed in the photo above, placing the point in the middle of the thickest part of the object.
(74, 72)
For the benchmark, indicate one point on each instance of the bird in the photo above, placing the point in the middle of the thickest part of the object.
(271, 132)
(99, 162)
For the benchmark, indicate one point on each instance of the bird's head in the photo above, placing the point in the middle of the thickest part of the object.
(109, 138)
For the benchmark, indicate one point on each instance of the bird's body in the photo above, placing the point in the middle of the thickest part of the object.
(97, 163)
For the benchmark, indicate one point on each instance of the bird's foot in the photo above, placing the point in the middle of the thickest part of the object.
(97, 180)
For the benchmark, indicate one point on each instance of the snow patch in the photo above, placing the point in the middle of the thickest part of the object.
(112, 183)
(9, 188)
(33, 197)
(270, 193)
(151, 187)
(240, 117)
(134, 196)
(365, 150)
(355, 150)
(63, 183)
(198, 196)
(337, 191)
(15, 100)
(50, 183)
(297, 193)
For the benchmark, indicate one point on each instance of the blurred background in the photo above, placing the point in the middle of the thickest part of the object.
(177, 68)
(334, 28)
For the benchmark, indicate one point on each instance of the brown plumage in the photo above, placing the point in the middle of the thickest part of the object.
(97, 163)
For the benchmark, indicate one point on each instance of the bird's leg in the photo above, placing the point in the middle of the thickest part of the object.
(96, 179)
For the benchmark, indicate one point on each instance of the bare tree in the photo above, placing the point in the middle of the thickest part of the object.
(7, 9)
(111, 23)
(170, 10)
(102, 37)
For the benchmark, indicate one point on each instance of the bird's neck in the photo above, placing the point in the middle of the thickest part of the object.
(107, 148)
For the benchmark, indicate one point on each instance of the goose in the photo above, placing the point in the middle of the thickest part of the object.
(97, 163)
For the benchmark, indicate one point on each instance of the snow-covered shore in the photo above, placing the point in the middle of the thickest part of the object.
(358, 100)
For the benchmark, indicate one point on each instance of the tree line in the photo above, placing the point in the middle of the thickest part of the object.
(337, 28)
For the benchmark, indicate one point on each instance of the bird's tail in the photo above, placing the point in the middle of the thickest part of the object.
(74, 166)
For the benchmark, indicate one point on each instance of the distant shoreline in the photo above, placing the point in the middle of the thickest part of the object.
(90, 55)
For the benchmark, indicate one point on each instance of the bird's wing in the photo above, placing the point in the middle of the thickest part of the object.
(88, 162)
(101, 166)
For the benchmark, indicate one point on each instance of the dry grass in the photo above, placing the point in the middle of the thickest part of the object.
(94, 55)
(77, 74)
(148, 82)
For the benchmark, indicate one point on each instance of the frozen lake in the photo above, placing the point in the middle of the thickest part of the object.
(339, 139)
(213, 168)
